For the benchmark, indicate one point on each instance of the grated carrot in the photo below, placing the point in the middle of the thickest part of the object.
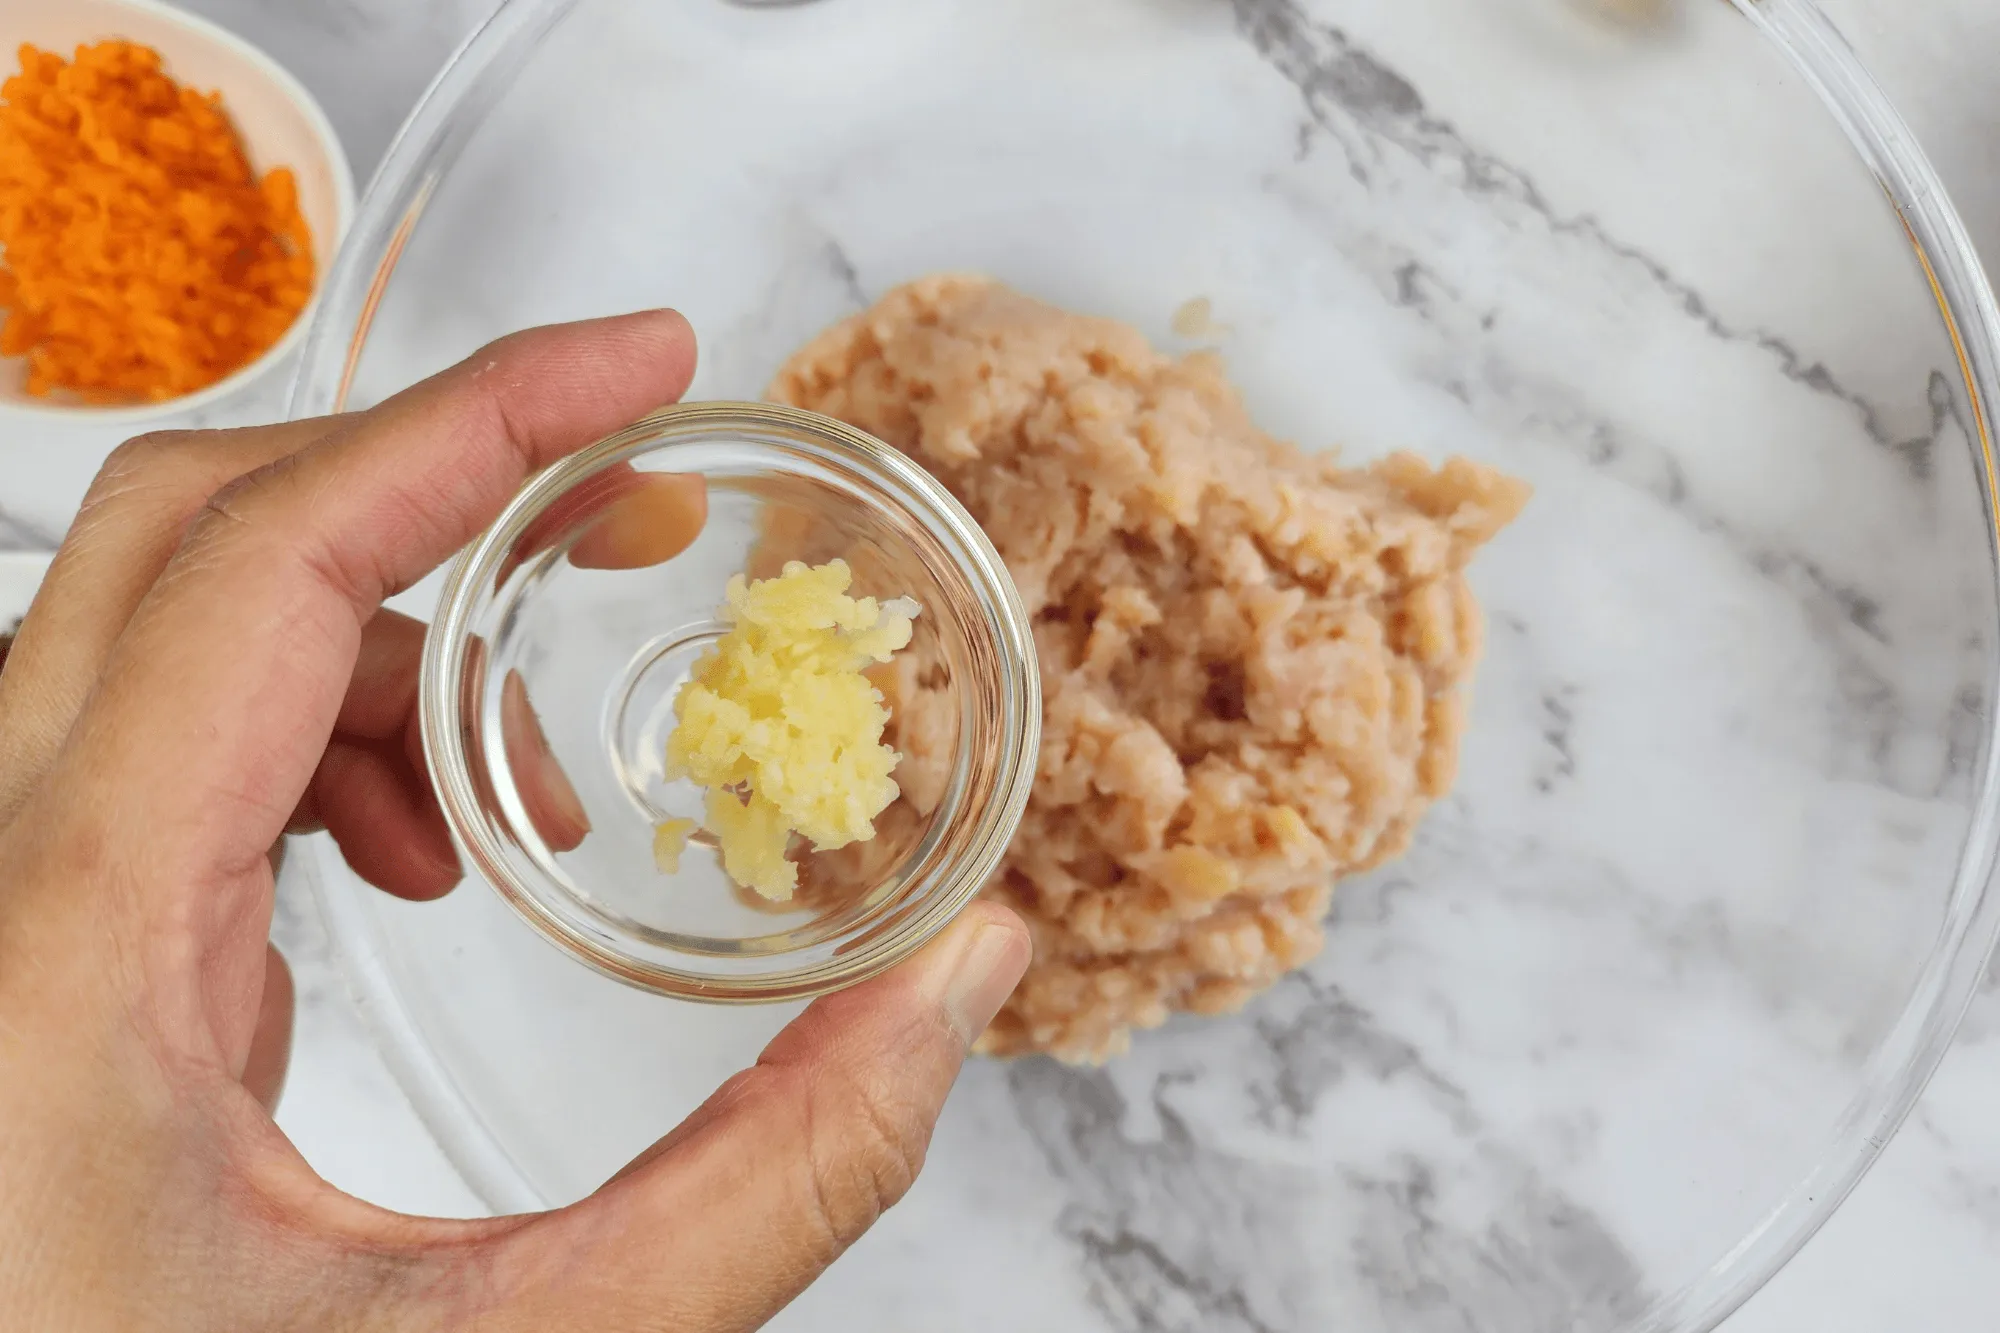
(140, 257)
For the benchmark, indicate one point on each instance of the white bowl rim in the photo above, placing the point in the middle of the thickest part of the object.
(343, 205)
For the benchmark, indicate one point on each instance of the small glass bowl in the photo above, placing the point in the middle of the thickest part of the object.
(549, 680)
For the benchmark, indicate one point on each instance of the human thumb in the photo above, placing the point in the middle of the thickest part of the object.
(720, 1224)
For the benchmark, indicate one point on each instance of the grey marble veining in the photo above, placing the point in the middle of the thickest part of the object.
(1346, 88)
(1548, 1262)
(1149, 1166)
(1359, 108)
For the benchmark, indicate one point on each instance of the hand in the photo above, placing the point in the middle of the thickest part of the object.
(208, 665)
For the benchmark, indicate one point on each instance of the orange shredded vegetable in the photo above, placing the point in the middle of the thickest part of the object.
(140, 257)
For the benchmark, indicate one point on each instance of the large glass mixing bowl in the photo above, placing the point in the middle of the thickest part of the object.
(1661, 976)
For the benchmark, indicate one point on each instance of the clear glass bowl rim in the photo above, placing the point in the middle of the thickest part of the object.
(446, 655)
(482, 70)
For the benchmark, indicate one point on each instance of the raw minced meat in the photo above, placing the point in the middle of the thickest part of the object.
(1254, 660)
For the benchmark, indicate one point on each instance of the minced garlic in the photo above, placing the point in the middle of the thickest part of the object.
(780, 726)
(670, 839)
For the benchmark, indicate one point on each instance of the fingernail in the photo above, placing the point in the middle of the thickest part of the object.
(983, 976)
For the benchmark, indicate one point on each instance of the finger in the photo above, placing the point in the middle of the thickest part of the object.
(653, 521)
(385, 820)
(232, 673)
(620, 518)
(732, 1215)
(371, 790)
(132, 518)
(381, 700)
(270, 1054)
(547, 796)
(638, 519)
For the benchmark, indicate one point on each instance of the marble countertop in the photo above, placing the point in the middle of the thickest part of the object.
(1914, 1246)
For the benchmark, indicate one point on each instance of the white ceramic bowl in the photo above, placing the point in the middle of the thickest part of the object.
(280, 123)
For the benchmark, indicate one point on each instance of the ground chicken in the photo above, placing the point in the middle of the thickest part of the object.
(1254, 660)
